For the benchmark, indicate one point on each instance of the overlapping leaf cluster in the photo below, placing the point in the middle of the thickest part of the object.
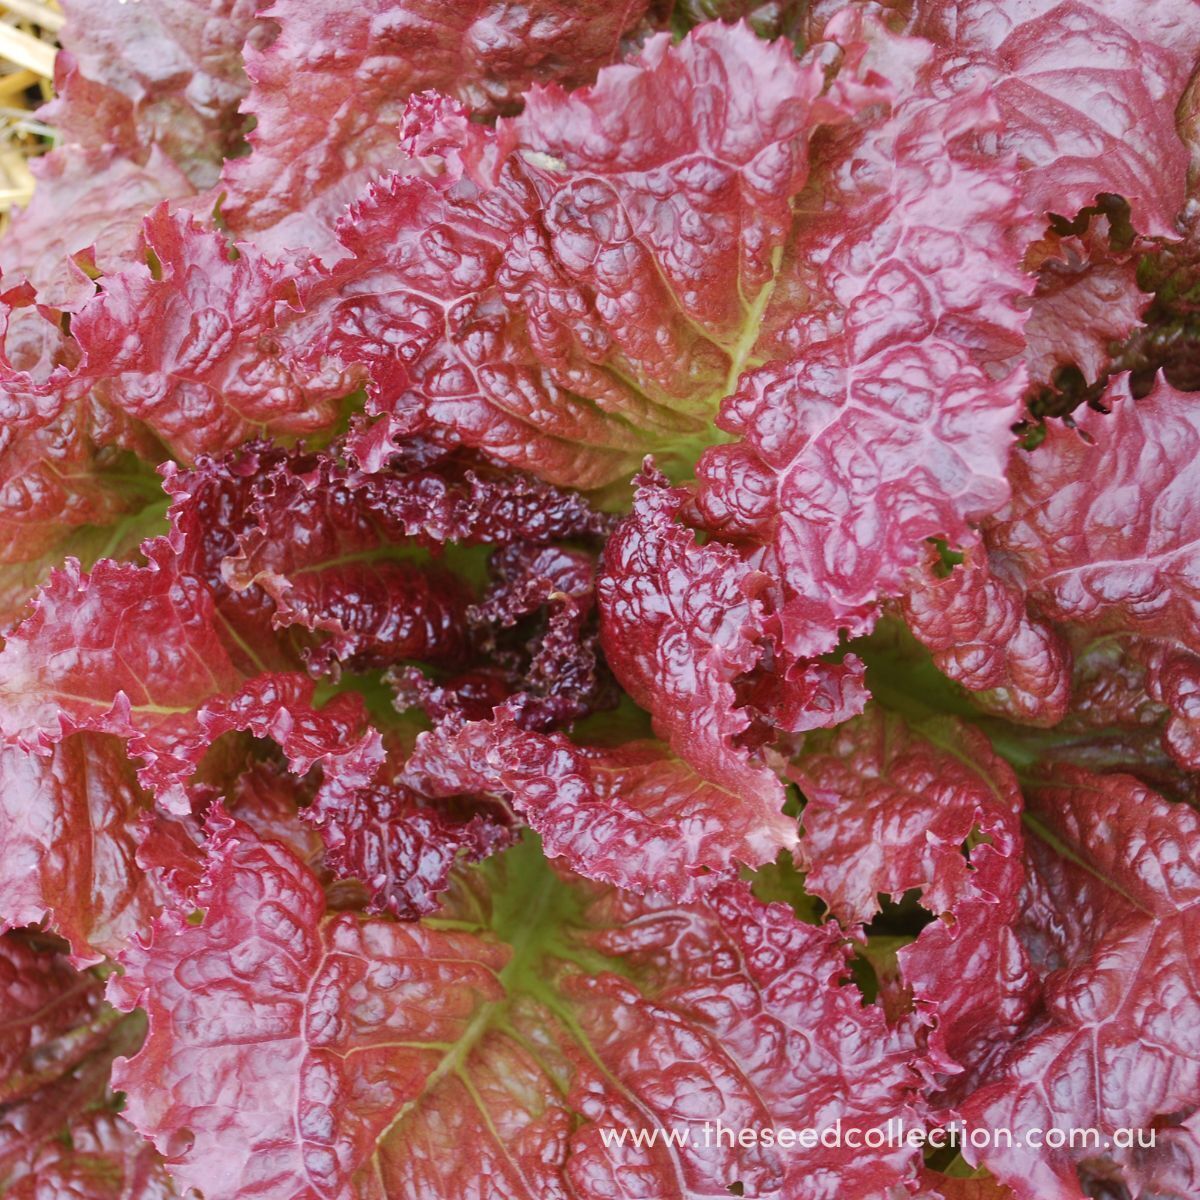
(574, 567)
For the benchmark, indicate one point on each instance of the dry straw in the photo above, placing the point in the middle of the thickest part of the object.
(28, 43)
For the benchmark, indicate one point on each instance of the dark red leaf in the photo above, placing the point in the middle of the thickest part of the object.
(60, 1135)
(402, 845)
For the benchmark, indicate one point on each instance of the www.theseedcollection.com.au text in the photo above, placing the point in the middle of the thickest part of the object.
(895, 1133)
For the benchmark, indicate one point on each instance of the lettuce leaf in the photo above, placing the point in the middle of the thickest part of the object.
(571, 572)
(536, 1013)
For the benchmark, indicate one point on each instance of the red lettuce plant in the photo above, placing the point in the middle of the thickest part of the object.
(574, 575)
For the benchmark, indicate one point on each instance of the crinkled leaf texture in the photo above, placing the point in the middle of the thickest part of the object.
(383, 567)
(886, 418)
(335, 553)
(879, 430)
(360, 557)
(311, 1055)
(889, 810)
(1058, 981)
(60, 1135)
(402, 843)
(328, 91)
(65, 468)
(1095, 555)
(633, 815)
(815, 280)
(892, 808)
(68, 839)
(136, 651)
(1086, 304)
(146, 108)
(1087, 90)
(1109, 917)
(525, 291)
(681, 623)
(167, 74)
(983, 636)
(193, 343)
(87, 218)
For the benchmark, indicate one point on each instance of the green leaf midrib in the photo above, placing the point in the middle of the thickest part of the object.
(533, 914)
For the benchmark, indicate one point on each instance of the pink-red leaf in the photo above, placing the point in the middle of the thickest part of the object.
(1086, 304)
(982, 635)
(888, 420)
(1098, 544)
(68, 837)
(633, 815)
(1110, 918)
(1087, 90)
(90, 204)
(326, 120)
(310, 1054)
(191, 343)
(567, 295)
(145, 109)
(167, 74)
(135, 651)
(334, 553)
(890, 809)
(680, 623)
